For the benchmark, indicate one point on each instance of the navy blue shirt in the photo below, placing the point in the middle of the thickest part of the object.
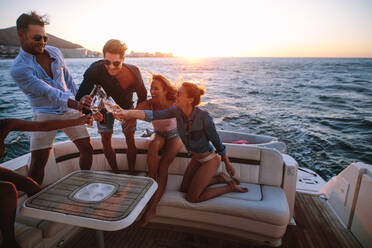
(97, 74)
(202, 130)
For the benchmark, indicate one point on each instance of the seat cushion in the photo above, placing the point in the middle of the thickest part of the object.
(262, 203)
(48, 228)
(253, 194)
(26, 236)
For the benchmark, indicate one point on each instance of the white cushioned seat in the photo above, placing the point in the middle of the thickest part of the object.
(48, 228)
(262, 203)
(27, 236)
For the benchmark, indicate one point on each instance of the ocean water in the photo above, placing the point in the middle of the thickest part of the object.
(321, 108)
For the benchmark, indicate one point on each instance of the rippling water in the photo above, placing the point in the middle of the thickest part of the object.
(322, 108)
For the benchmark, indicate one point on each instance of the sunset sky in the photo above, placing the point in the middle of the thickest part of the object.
(203, 28)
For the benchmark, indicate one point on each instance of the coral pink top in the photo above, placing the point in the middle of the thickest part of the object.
(165, 124)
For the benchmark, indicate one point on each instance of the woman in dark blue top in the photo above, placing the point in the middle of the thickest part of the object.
(196, 129)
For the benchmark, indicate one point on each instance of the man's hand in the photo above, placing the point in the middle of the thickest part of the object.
(85, 102)
(85, 119)
(98, 116)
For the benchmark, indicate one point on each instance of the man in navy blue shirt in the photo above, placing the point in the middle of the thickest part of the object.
(119, 80)
(40, 71)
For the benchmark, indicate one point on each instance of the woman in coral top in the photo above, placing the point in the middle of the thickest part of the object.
(163, 96)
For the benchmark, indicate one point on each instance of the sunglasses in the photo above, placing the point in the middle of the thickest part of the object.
(108, 63)
(38, 37)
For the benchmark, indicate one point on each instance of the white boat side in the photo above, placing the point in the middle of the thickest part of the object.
(348, 194)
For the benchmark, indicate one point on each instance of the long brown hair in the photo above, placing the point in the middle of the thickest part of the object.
(167, 85)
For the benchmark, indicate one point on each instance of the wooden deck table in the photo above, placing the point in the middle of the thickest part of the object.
(97, 200)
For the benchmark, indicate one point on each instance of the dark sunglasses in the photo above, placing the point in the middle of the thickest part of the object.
(38, 37)
(115, 63)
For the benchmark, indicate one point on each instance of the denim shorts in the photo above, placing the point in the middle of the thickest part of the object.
(167, 135)
(108, 125)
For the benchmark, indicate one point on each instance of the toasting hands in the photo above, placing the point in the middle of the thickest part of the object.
(85, 102)
(122, 115)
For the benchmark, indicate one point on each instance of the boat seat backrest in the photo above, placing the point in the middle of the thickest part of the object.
(252, 164)
(257, 165)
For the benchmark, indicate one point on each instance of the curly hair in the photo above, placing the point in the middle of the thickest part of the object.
(167, 85)
(31, 18)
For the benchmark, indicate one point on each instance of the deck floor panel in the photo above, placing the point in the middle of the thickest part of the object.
(316, 227)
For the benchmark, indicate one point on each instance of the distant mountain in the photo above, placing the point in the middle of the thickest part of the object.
(9, 37)
(9, 47)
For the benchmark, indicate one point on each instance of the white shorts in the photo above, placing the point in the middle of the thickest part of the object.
(44, 140)
(207, 158)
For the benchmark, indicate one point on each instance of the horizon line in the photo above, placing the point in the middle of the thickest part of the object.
(279, 57)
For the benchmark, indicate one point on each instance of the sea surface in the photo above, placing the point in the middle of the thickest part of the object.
(321, 108)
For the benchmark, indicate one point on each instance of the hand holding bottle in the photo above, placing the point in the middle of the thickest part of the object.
(85, 102)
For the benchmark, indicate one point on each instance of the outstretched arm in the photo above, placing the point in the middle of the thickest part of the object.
(130, 114)
(49, 125)
(147, 115)
(8, 125)
(141, 106)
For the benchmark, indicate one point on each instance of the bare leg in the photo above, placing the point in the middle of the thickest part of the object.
(198, 190)
(171, 149)
(153, 155)
(189, 174)
(132, 151)
(39, 158)
(86, 153)
(7, 125)
(8, 207)
(223, 178)
(109, 151)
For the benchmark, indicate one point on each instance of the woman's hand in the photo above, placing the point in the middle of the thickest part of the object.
(228, 166)
(121, 115)
(230, 170)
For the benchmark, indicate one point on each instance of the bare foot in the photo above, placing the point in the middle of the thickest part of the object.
(225, 178)
(235, 188)
(147, 216)
(32, 187)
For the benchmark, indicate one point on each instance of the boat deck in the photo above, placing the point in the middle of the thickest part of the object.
(316, 226)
